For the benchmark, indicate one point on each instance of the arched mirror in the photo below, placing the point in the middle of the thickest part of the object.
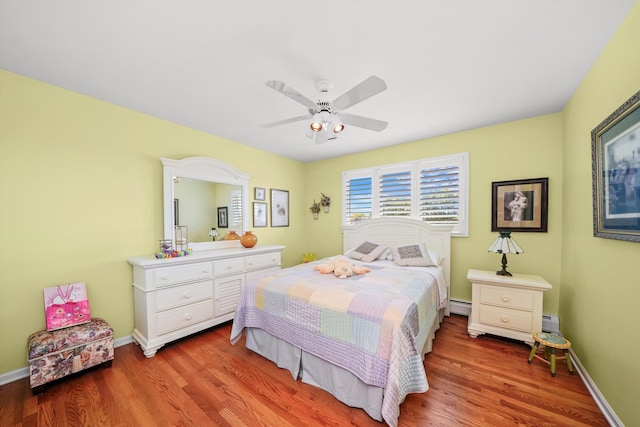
(203, 193)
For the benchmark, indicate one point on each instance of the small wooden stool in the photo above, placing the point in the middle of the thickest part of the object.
(551, 342)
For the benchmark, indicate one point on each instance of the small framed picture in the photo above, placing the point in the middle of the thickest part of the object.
(519, 205)
(259, 193)
(223, 219)
(259, 214)
(279, 208)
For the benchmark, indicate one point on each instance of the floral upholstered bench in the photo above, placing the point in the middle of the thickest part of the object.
(56, 354)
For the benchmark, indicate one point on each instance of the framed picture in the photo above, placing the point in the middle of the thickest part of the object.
(519, 205)
(176, 212)
(259, 214)
(259, 193)
(279, 208)
(223, 217)
(615, 154)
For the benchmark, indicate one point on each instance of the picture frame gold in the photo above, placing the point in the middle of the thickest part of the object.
(615, 164)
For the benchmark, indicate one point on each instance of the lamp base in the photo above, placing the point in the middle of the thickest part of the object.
(504, 271)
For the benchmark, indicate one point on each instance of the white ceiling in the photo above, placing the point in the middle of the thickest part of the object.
(449, 65)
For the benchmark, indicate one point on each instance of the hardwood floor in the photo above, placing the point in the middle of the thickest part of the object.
(203, 380)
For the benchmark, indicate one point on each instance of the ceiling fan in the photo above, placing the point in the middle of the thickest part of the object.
(328, 117)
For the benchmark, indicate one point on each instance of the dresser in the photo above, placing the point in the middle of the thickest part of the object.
(507, 306)
(176, 297)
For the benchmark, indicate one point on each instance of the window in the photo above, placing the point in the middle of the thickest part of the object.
(236, 210)
(432, 190)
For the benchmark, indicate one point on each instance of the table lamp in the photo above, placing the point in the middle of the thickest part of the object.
(213, 233)
(504, 245)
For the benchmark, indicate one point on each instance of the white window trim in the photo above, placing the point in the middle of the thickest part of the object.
(460, 159)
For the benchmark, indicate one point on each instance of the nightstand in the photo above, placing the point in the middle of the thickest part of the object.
(507, 306)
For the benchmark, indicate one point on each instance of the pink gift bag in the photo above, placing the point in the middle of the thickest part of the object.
(66, 305)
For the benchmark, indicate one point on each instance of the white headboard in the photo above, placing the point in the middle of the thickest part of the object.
(399, 231)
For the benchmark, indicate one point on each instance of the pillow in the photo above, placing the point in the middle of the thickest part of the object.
(414, 255)
(367, 252)
(434, 255)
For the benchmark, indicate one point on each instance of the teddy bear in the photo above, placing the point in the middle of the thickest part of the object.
(341, 268)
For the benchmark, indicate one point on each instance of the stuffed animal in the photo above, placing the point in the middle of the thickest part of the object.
(341, 268)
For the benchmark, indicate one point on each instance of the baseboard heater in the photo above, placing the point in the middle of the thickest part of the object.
(549, 323)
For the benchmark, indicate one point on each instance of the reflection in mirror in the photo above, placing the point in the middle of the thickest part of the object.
(194, 189)
(196, 206)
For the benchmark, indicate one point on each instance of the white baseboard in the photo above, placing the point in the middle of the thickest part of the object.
(21, 373)
(607, 411)
(552, 324)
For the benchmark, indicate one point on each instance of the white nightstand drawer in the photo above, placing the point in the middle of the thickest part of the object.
(506, 297)
(184, 273)
(184, 316)
(182, 295)
(256, 262)
(229, 266)
(510, 319)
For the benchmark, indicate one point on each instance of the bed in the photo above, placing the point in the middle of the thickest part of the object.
(362, 338)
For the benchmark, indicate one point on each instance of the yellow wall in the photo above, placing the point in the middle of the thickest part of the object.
(81, 191)
(600, 277)
(523, 149)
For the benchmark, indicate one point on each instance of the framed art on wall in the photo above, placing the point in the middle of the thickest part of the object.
(520, 205)
(259, 214)
(259, 193)
(615, 163)
(223, 218)
(279, 208)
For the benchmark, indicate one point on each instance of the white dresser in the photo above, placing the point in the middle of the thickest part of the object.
(176, 297)
(507, 306)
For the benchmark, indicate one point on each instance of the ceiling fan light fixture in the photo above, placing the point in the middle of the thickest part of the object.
(336, 124)
(316, 126)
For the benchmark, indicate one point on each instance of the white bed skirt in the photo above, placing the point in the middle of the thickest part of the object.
(342, 384)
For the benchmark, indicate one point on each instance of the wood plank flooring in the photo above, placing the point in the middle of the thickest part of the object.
(203, 380)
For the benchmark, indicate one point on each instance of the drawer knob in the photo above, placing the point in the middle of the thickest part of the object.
(506, 299)
(165, 277)
(187, 295)
(187, 317)
(205, 271)
(505, 319)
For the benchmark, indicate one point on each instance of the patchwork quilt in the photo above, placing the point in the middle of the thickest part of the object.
(372, 324)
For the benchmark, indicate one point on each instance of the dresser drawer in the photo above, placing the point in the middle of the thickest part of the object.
(184, 273)
(229, 266)
(506, 297)
(505, 318)
(183, 295)
(182, 317)
(258, 262)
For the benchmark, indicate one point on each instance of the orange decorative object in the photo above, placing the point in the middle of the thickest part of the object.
(232, 236)
(248, 239)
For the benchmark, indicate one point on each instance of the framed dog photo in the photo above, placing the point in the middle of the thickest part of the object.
(520, 205)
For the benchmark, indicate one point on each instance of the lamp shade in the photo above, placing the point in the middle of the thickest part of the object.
(505, 244)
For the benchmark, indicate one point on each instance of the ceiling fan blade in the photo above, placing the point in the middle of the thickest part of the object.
(279, 86)
(287, 121)
(364, 90)
(363, 122)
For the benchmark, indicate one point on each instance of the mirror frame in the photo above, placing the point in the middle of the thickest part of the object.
(203, 169)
